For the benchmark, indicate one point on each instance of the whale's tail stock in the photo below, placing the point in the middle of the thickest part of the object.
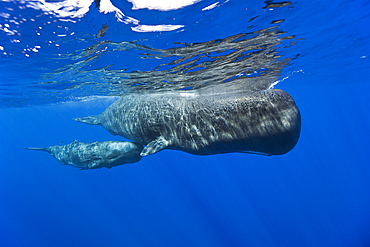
(93, 120)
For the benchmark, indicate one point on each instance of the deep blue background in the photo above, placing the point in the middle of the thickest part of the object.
(316, 195)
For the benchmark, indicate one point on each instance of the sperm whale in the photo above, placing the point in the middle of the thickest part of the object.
(95, 155)
(265, 122)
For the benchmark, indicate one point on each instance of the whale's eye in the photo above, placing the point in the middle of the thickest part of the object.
(113, 154)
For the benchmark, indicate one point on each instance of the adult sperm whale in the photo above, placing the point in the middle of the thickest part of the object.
(95, 155)
(265, 122)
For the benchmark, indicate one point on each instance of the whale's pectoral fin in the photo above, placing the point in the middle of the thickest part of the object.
(93, 120)
(155, 146)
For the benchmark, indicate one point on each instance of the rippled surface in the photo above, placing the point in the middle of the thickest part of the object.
(249, 61)
(73, 52)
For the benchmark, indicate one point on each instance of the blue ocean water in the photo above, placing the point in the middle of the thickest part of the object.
(54, 66)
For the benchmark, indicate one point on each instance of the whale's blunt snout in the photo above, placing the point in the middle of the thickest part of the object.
(283, 125)
(288, 139)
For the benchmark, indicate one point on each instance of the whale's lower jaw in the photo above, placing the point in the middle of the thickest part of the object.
(263, 146)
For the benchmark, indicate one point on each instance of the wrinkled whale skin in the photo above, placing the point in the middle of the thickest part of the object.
(265, 122)
(95, 155)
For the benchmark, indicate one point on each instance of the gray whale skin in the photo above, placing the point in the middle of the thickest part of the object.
(266, 122)
(95, 155)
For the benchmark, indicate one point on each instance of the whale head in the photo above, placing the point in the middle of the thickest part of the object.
(116, 153)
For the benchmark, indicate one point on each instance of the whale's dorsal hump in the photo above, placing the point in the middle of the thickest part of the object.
(155, 146)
